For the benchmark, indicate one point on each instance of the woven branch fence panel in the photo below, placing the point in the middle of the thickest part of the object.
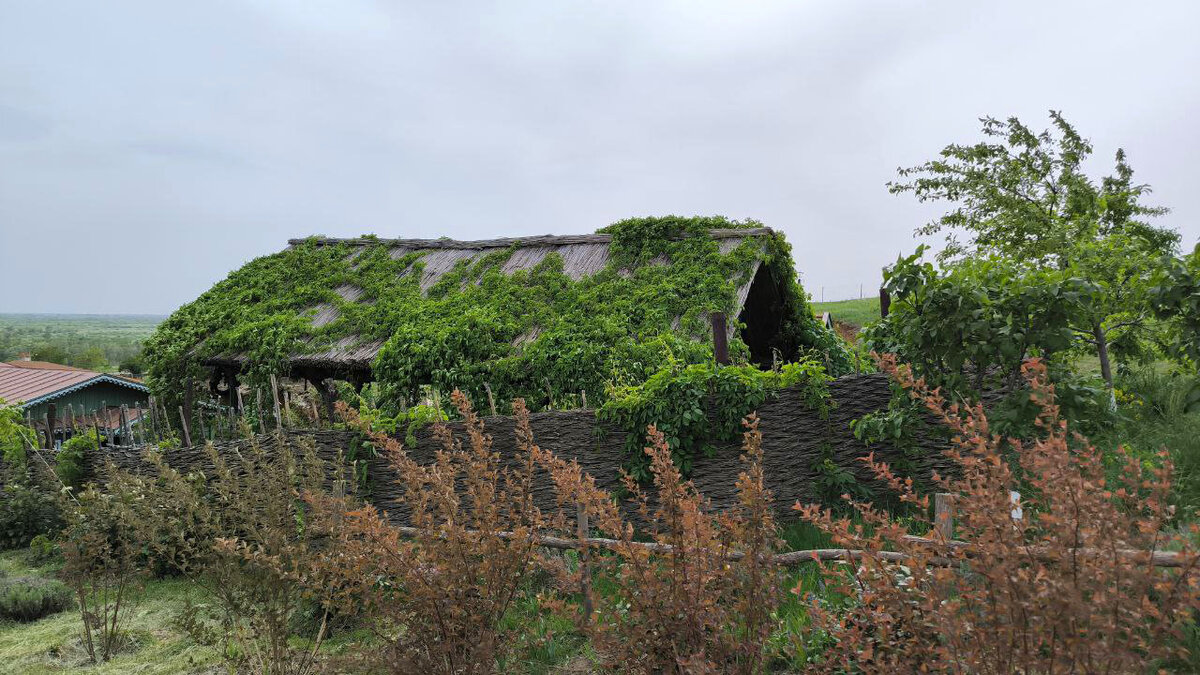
(796, 440)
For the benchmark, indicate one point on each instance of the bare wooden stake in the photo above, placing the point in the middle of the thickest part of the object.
(123, 417)
(943, 515)
(491, 399)
(583, 397)
(153, 419)
(187, 436)
(51, 422)
(275, 399)
(585, 572)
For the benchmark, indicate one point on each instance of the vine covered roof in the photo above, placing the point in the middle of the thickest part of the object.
(526, 315)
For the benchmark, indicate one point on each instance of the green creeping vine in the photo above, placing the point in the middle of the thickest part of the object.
(695, 405)
(599, 334)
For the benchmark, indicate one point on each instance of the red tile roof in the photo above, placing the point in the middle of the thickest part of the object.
(24, 384)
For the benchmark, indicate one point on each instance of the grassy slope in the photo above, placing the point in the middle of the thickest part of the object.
(52, 645)
(857, 312)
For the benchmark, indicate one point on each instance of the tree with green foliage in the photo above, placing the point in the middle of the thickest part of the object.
(15, 436)
(50, 353)
(1175, 293)
(1023, 196)
(92, 358)
(971, 325)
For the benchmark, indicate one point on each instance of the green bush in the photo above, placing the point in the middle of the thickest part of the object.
(70, 461)
(1159, 410)
(27, 510)
(31, 598)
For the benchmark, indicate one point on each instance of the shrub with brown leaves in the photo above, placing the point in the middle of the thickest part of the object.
(1067, 587)
(701, 598)
(436, 591)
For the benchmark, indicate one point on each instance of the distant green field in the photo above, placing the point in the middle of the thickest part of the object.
(857, 312)
(98, 341)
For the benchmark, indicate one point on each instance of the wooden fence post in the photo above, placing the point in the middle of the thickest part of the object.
(154, 437)
(585, 572)
(275, 398)
(123, 420)
(187, 435)
(583, 397)
(51, 420)
(491, 399)
(943, 515)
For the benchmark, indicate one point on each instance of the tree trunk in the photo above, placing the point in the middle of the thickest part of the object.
(1102, 352)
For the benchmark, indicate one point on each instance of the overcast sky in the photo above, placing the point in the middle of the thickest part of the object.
(148, 148)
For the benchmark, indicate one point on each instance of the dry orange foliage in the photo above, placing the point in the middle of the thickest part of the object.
(683, 606)
(436, 594)
(1068, 587)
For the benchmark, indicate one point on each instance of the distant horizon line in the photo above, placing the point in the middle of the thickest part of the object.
(129, 314)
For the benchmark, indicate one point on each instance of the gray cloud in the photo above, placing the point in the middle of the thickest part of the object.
(171, 142)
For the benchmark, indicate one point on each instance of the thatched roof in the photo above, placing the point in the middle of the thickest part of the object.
(582, 256)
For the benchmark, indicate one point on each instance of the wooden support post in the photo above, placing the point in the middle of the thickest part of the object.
(720, 338)
(51, 422)
(187, 436)
(491, 399)
(885, 303)
(583, 397)
(316, 414)
(275, 399)
(240, 408)
(327, 397)
(943, 515)
(585, 572)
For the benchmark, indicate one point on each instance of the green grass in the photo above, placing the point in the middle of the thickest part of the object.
(52, 645)
(856, 312)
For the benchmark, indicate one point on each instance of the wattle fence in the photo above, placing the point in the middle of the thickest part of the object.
(797, 441)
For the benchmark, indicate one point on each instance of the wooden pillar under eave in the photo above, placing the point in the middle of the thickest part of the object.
(720, 338)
